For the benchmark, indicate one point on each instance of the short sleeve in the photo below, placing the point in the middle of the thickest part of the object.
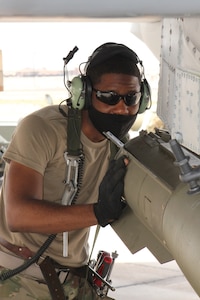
(30, 144)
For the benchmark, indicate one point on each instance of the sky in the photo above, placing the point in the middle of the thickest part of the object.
(43, 45)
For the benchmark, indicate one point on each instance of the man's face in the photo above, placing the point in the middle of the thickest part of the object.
(121, 84)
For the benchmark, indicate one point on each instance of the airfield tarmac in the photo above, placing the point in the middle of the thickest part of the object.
(141, 276)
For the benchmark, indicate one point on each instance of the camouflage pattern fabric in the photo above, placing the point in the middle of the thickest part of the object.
(21, 287)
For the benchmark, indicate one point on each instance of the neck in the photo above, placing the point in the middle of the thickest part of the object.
(89, 130)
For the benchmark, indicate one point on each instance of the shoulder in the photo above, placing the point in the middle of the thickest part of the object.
(48, 114)
(42, 132)
(46, 120)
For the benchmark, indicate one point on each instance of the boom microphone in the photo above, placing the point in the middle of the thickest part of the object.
(70, 55)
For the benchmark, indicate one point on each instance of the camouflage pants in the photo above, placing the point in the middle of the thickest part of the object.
(20, 287)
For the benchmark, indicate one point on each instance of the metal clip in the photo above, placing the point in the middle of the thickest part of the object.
(71, 187)
(71, 181)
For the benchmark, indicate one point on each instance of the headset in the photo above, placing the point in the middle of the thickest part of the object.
(80, 86)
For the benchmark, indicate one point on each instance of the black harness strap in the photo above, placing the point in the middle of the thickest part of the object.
(73, 132)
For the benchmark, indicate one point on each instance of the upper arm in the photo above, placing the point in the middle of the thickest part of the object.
(22, 184)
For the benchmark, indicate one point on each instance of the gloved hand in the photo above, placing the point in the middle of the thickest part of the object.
(110, 205)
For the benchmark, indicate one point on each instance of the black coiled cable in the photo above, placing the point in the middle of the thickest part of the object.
(50, 239)
(80, 176)
(30, 261)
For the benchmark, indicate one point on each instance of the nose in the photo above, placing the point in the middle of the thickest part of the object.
(120, 108)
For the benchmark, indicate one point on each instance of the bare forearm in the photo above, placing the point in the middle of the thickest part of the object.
(43, 217)
(26, 210)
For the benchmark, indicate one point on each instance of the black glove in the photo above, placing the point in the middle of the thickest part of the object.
(110, 205)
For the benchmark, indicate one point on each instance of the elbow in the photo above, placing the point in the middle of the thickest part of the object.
(12, 226)
(13, 221)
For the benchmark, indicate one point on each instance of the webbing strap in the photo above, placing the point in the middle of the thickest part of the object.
(94, 241)
(73, 131)
(55, 288)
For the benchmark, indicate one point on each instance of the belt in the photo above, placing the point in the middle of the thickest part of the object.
(48, 271)
(22, 252)
(9, 261)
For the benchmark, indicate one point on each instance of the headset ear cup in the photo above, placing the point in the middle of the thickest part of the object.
(81, 92)
(145, 101)
(88, 91)
(77, 94)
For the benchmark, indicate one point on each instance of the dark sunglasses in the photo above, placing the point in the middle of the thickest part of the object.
(112, 98)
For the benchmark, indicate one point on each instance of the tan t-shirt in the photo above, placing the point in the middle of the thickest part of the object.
(39, 142)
